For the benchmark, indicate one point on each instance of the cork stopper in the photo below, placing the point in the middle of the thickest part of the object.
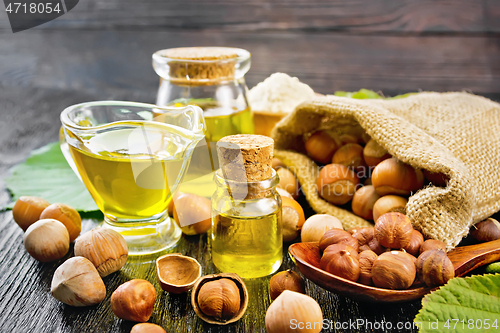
(201, 53)
(201, 65)
(246, 157)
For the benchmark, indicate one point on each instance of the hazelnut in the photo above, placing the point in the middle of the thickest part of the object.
(170, 207)
(27, 210)
(354, 230)
(486, 231)
(277, 163)
(374, 246)
(105, 248)
(134, 300)
(291, 306)
(363, 201)
(65, 214)
(177, 273)
(393, 230)
(387, 204)
(434, 268)
(337, 236)
(283, 193)
(350, 155)
(47, 240)
(364, 235)
(287, 280)
(366, 260)
(220, 298)
(432, 244)
(315, 227)
(192, 213)
(348, 138)
(437, 179)
(416, 241)
(341, 260)
(393, 270)
(288, 182)
(320, 147)
(147, 328)
(337, 183)
(293, 218)
(76, 282)
(394, 177)
(373, 153)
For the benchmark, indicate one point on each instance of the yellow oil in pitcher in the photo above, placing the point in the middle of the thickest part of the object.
(131, 173)
(247, 242)
(199, 179)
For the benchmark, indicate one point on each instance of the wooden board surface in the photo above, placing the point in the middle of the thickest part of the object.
(360, 16)
(102, 50)
(32, 120)
(121, 60)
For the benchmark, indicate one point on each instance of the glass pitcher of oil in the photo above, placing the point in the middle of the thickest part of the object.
(132, 158)
(213, 79)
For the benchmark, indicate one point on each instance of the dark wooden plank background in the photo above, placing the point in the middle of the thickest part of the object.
(102, 50)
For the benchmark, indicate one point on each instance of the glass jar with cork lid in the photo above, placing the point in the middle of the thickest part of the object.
(213, 79)
(246, 235)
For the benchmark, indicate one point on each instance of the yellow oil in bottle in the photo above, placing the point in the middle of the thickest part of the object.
(220, 123)
(131, 172)
(246, 244)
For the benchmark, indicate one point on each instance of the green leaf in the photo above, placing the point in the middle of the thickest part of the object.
(46, 174)
(493, 267)
(469, 304)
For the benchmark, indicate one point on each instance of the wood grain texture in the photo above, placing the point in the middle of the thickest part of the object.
(120, 61)
(25, 301)
(360, 16)
(102, 50)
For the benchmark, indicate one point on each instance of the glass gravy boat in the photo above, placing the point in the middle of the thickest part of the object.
(132, 158)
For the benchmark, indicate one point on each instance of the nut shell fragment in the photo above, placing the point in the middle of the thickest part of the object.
(177, 273)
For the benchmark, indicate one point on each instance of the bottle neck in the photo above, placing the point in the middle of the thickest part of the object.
(247, 190)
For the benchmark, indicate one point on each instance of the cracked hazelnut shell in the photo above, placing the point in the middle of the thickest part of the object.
(216, 301)
(177, 273)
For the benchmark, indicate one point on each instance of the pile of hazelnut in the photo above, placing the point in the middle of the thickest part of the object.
(49, 229)
(391, 255)
(359, 171)
(78, 281)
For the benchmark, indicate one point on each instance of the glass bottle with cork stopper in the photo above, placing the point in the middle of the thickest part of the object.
(213, 79)
(246, 232)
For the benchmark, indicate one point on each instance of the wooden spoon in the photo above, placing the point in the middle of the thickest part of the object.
(466, 258)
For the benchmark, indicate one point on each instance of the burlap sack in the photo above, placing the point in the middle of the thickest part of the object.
(457, 134)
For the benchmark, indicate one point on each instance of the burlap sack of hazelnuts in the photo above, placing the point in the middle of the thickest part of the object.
(457, 134)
